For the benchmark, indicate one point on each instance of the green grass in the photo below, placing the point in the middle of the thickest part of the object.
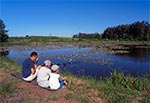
(37, 39)
(48, 39)
(9, 65)
(7, 88)
(118, 79)
(117, 88)
(83, 99)
(69, 96)
(54, 97)
(125, 89)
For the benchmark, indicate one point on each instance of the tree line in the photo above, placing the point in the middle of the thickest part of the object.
(3, 33)
(135, 31)
(87, 36)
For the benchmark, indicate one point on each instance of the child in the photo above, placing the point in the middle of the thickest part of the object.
(56, 81)
(44, 74)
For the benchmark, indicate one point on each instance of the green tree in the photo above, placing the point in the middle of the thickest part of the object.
(3, 32)
(135, 31)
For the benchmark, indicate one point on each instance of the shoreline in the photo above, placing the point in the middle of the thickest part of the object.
(117, 88)
(109, 47)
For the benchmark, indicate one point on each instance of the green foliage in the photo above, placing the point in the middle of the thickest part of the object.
(3, 32)
(118, 79)
(119, 99)
(119, 88)
(4, 53)
(88, 36)
(9, 65)
(134, 31)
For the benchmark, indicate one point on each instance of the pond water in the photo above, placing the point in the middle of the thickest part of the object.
(87, 60)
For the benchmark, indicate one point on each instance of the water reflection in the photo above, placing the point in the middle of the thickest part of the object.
(4, 52)
(140, 54)
(137, 54)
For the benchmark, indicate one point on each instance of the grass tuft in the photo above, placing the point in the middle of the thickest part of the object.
(9, 65)
(6, 88)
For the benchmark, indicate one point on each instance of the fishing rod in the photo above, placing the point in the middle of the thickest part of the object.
(69, 62)
(64, 64)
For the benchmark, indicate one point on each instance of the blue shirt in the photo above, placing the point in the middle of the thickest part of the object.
(26, 67)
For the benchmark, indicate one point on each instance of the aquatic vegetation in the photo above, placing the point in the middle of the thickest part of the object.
(87, 56)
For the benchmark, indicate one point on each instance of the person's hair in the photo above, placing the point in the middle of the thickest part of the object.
(53, 71)
(33, 54)
(44, 65)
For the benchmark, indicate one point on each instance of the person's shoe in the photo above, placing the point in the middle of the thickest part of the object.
(68, 83)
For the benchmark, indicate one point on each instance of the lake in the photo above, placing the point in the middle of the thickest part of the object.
(89, 61)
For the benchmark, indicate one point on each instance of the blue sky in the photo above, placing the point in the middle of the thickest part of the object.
(65, 18)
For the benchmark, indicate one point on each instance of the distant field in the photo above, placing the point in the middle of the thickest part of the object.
(44, 39)
(22, 40)
(48, 39)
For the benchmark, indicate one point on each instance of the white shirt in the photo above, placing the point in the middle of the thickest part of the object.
(54, 81)
(43, 76)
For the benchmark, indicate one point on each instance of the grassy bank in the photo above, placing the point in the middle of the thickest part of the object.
(115, 89)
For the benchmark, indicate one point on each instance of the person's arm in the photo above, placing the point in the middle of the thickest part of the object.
(36, 66)
(63, 78)
(32, 70)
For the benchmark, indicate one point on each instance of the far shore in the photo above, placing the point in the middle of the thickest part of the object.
(109, 47)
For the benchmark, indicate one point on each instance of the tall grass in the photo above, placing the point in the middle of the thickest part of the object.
(126, 89)
(118, 79)
(117, 88)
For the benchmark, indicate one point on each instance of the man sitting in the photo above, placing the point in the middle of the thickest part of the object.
(30, 67)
